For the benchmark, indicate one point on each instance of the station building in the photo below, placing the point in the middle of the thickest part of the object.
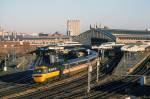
(101, 35)
(131, 36)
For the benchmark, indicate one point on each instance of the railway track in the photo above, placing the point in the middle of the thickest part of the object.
(82, 89)
(107, 88)
(53, 90)
(32, 88)
(60, 91)
(17, 78)
(125, 83)
(19, 88)
(19, 82)
(16, 82)
(4, 86)
(112, 89)
(74, 86)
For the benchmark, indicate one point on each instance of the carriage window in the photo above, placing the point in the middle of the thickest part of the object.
(44, 71)
(49, 70)
(52, 69)
(66, 66)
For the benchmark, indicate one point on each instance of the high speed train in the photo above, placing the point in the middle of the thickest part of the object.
(42, 73)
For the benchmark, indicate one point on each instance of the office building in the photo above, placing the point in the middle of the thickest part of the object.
(73, 27)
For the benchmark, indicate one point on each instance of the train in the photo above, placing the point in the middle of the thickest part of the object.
(43, 73)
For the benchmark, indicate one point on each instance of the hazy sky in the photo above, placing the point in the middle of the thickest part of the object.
(51, 15)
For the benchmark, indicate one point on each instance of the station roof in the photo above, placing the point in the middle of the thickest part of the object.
(108, 45)
(61, 46)
(135, 48)
(129, 31)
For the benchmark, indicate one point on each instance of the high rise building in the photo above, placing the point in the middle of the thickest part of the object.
(1, 31)
(73, 27)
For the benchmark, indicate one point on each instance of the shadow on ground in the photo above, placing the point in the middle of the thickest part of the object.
(24, 77)
(119, 87)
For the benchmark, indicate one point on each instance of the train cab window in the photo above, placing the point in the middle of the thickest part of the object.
(37, 71)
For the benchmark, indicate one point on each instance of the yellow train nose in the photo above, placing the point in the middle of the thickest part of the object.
(39, 78)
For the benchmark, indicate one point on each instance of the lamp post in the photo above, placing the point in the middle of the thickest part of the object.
(5, 67)
(13, 52)
(89, 77)
(98, 66)
(124, 61)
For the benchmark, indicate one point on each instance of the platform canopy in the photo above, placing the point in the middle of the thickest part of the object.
(135, 48)
(108, 45)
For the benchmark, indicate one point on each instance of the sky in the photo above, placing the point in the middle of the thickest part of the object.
(51, 15)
